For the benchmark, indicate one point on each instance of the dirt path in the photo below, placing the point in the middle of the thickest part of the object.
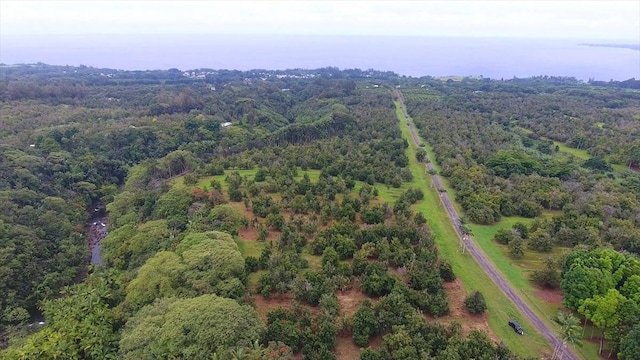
(479, 255)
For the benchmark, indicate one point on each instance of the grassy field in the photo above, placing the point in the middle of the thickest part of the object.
(584, 155)
(518, 271)
(473, 277)
(205, 182)
(580, 154)
(421, 95)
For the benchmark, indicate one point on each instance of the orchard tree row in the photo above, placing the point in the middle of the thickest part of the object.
(499, 164)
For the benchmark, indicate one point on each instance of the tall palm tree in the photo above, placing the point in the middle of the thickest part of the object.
(570, 332)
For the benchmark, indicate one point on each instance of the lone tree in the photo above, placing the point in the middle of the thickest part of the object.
(421, 154)
(570, 332)
(516, 248)
(475, 303)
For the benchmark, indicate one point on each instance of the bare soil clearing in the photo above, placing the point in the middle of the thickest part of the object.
(248, 233)
(351, 300)
(265, 306)
(458, 312)
(549, 296)
(346, 349)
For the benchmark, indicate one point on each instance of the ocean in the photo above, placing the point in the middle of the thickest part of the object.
(410, 56)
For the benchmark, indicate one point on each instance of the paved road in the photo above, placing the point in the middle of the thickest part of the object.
(471, 246)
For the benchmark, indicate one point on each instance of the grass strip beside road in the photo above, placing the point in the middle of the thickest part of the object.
(473, 277)
(516, 272)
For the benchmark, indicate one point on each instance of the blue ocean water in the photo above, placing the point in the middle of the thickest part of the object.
(411, 56)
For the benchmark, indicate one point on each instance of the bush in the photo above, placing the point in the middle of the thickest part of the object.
(190, 179)
(311, 287)
(446, 271)
(548, 276)
(421, 154)
(364, 324)
(376, 281)
(276, 221)
(521, 229)
(516, 248)
(540, 241)
(504, 236)
(475, 303)
(438, 304)
(373, 354)
(251, 264)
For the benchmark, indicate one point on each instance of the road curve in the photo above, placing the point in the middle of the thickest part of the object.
(479, 255)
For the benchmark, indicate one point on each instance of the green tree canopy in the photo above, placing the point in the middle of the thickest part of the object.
(475, 303)
(189, 328)
(630, 347)
(79, 326)
(159, 277)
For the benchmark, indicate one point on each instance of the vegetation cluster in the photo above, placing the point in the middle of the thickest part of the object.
(188, 168)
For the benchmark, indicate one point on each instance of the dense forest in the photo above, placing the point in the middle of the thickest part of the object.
(225, 189)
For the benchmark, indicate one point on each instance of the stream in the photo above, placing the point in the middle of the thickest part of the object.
(96, 230)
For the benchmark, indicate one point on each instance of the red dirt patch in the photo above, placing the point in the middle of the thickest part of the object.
(245, 211)
(248, 233)
(264, 306)
(376, 341)
(549, 296)
(458, 312)
(251, 234)
(350, 300)
(346, 349)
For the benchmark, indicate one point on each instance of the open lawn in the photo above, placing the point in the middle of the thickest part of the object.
(472, 276)
(250, 248)
(580, 154)
(421, 95)
(205, 182)
(584, 155)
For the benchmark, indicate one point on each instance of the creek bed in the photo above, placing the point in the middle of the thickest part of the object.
(96, 231)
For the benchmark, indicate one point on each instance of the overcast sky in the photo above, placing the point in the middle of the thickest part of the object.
(586, 20)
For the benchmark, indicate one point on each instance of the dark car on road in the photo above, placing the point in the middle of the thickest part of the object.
(516, 327)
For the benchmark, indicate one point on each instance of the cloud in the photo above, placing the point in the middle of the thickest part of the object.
(615, 20)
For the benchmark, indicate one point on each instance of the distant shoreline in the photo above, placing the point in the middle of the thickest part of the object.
(619, 46)
(491, 58)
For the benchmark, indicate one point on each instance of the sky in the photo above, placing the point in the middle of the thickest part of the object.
(614, 21)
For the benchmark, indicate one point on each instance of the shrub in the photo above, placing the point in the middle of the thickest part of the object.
(504, 236)
(475, 303)
(516, 248)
